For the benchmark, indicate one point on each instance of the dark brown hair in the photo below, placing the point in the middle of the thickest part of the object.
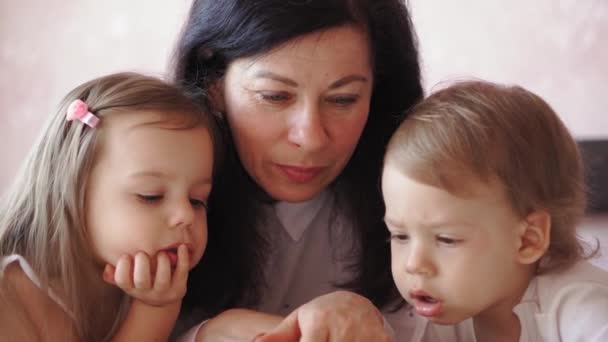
(219, 32)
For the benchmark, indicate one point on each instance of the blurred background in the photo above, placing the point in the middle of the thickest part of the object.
(556, 48)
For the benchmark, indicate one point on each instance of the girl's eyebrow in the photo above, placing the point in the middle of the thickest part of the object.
(139, 174)
(393, 223)
(158, 174)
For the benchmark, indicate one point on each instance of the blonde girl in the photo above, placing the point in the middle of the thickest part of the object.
(107, 215)
(484, 187)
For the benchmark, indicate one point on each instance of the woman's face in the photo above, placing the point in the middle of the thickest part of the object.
(297, 112)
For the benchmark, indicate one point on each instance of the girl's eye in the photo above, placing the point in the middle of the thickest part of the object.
(150, 198)
(448, 241)
(275, 97)
(343, 101)
(198, 203)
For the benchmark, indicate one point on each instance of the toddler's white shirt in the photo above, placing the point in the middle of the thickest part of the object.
(568, 306)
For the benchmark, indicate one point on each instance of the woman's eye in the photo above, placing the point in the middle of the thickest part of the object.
(150, 198)
(198, 203)
(273, 97)
(343, 101)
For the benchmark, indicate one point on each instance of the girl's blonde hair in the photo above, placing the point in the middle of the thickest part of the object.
(480, 131)
(42, 217)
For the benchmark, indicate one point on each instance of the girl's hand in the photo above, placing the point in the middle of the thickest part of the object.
(335, 317)
(159, 287)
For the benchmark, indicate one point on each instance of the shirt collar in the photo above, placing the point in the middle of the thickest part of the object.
(297, 217)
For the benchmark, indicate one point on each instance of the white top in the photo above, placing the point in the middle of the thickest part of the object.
(5, 261)
(569, 306)
(308, 258)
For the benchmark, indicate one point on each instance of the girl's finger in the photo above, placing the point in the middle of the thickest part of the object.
(141, 273)
(162, 279)
(108, 274)
(123, 275)
(180, 275)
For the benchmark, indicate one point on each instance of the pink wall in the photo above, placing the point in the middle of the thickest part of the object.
(47, 47)
(553, 47)
(556, 48)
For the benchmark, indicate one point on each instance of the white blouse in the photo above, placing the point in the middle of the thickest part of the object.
(5, 261)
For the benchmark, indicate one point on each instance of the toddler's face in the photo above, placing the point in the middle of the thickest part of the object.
(149, 187)
(452, 257)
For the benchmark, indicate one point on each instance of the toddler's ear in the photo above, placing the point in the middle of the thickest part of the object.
(534, 237)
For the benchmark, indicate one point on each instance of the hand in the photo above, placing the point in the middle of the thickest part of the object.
(136, 277)
(336, 317)
(236, 325)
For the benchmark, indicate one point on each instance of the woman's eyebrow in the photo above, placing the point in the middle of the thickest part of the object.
(275, 77)
(337, 84)
(348, 79)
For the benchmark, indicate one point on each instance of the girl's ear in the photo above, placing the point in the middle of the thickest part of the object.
(534, 237)
(216, 94)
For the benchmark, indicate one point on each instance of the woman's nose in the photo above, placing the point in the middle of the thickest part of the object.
(306, 128)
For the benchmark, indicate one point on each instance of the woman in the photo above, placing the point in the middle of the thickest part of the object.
(308, 93)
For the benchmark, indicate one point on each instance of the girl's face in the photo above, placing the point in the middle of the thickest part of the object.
(297, 112)
(452, 257)
(148, 188)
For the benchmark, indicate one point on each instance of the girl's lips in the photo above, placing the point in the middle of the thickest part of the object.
(171, 252)
(300, 174)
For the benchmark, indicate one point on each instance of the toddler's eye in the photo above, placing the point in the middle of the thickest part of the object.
(150, 198)
(448, 240)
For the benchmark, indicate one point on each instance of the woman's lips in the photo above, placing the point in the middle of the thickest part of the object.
(300, 174)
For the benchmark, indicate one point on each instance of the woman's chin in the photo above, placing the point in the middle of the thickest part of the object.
(295, 195)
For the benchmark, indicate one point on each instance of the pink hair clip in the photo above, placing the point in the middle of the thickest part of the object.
(78, 110)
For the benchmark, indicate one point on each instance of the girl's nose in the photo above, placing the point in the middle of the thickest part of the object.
(182, 214)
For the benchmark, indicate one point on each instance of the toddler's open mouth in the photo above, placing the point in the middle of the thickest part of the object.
(425, 304)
